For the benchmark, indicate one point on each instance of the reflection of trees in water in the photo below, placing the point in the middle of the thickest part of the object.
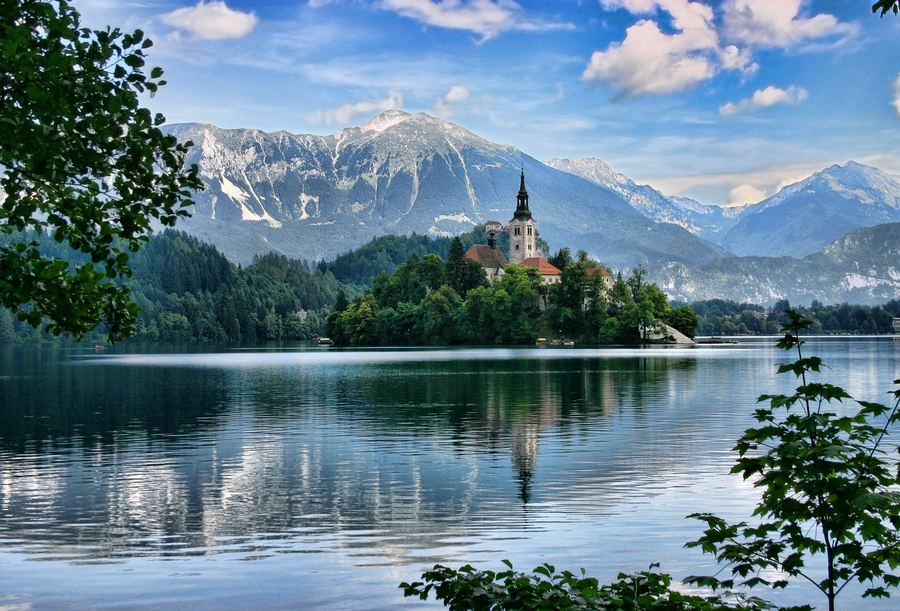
(46, 401)
(312, 454)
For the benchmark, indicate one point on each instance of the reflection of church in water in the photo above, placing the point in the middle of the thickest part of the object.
(521, 427)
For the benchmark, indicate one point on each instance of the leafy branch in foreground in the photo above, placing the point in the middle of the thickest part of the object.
(829, 490)
(545, 588)
(83, 162)
(884, 6)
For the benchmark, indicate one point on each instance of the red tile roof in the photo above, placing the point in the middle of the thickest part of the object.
(598, 270)
(487, 256)
(542, 265)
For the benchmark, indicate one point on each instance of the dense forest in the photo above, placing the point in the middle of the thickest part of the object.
(721, 317)
(405, 290)
(431, 301)
(188, 291)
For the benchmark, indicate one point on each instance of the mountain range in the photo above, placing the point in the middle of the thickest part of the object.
(313, 197)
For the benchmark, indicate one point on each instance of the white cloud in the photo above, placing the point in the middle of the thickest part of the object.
(343, 114)
(778, 23)
(211, 21)
(763, 98)
(651, 61)
(485, 17)
(734, 58)
(447, 104)
(896, 102)
(745, 194)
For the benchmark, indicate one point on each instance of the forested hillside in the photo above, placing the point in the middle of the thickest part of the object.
(188, 291)
(724, 317)
(384, 254)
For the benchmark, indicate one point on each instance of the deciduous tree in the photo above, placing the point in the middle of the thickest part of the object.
(82, 161)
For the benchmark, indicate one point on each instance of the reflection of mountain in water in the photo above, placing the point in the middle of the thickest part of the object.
(125, 459)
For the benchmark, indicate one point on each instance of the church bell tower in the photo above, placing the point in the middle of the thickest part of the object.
(522, 228)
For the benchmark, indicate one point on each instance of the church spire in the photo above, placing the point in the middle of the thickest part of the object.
(522, 210)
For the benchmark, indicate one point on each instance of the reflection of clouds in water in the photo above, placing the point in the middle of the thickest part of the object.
(150, 498)
(28, 487)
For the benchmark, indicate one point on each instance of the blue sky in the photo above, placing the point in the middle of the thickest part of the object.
(723, 101)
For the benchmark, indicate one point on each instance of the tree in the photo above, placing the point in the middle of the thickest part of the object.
(462, 274)
(828, 489)
(684, 319)
(83, 162)
(562, 259)
(886, 5)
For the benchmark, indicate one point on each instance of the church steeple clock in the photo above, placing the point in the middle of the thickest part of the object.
(522, 228)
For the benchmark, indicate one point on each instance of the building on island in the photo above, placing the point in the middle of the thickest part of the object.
(605, 276)
(523, 250)
(495, 226)
(489, 256)
(550, 274)
(522, 228)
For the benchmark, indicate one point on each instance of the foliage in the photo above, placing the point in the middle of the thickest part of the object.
(418, 304)
(429, 301)
(884, 6)
(83, 162)
(828, 489)
(545, 588)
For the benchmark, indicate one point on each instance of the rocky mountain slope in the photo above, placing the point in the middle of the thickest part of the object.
(710, 222)
(805, 217)
(861, 267)
(315, 196)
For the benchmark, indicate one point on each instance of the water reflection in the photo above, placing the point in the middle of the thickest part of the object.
(383, 459)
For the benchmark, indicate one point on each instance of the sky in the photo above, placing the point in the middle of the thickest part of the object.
(721, 100)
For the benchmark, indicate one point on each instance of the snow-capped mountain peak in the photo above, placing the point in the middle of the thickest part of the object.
(387, 119)
(700, 219)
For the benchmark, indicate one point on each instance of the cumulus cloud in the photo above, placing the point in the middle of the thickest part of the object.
(734, 58)
(745, 194)
(896, 102)
(343, 114)
(779, 23)
(657, 60)
(447, 104)
(484, 17)
(763, 98)
(211, 21)
(652, 61)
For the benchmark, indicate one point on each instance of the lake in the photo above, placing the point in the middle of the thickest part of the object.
(323, 478)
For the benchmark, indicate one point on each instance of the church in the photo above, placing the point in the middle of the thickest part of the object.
(523, 243)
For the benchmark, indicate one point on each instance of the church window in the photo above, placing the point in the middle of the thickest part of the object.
(517, 247)
(529, 230)
(517, 231)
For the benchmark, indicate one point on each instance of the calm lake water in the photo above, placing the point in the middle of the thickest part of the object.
(323, 478)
